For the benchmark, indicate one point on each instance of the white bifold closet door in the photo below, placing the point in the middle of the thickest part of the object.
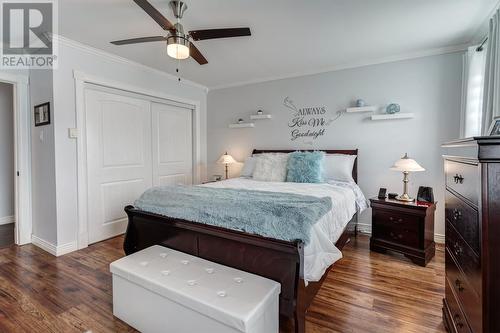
(132, 144)
(172, 145)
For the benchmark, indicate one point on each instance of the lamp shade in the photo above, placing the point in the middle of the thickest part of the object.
(226, 159)
(407, 164)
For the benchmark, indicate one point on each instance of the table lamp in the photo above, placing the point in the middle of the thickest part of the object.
(226, 159)
(406, 165)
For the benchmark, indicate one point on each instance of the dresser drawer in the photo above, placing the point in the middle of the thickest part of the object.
(469, 301)
(465, 219)
(459, 321)
(401, 228)
(468, 261)
(463, 178)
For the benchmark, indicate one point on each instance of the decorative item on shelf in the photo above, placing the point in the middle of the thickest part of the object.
(495, 127)
(425, 194)
(406, 165)
(226, 159)
(260, 115)
(381, 193)
(392, 196)
(393, 108)
(240, 121)
(360, 103)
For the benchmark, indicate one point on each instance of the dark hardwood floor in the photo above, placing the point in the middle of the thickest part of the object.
(365, 292)
(6, 235)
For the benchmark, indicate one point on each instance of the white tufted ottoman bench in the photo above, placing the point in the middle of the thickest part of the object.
(162, 290)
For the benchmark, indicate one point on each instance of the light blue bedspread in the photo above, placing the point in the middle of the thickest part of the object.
(276, 215)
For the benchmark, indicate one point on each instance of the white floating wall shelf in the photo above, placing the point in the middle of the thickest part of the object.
(260, 116)
(242, 125)
(393, 116)
(361, 109)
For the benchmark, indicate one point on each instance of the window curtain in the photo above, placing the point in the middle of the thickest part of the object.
(474, 73)
(491, 100)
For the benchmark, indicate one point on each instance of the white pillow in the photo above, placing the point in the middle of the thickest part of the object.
(249, 167)
(270, 167)
(338, 167)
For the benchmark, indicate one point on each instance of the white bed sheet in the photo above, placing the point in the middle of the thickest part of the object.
(321, 251)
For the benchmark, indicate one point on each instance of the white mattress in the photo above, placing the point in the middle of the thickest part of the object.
(321, 251)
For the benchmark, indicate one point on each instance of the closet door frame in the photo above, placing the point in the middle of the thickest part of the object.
(81, 82)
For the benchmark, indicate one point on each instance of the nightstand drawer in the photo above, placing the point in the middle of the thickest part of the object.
(465, 220)
(397, 228)
(463, 178)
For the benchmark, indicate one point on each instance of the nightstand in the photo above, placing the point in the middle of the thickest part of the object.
(404, 227)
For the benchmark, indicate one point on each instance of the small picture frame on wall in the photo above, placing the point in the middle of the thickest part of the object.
(42, 114)
(495, 127)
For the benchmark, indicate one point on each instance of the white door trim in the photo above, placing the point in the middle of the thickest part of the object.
(22, 156)
(81, 79)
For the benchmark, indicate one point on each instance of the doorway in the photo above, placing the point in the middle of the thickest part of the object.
(7, 166)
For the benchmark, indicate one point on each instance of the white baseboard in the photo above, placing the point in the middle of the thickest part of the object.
(55, 250)
(7, 220)
(367, 229)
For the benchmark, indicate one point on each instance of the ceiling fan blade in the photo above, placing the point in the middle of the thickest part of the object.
(155, 14)
(196, 54)
(219, 33)
(139, 40)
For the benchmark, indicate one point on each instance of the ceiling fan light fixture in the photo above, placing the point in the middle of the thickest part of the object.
(178, 47)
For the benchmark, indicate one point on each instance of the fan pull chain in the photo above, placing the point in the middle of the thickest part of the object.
(177, 70)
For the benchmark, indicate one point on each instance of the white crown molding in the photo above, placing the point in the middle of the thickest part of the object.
(55, 250)
(7, 220)
(395, 58)
(113, 57)
(482, 30)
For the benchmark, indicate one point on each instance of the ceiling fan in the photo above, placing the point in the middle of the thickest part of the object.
(179, 44)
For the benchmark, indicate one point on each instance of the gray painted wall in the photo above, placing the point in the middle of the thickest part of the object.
(43, 160)
(429, 87)
(7, 200)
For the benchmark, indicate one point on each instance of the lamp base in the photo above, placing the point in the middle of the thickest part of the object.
(405, 197)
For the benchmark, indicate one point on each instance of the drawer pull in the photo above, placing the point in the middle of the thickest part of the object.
(458, 250)
(396, 237)
(458, 283)
(459, 179)
(457, 215)
(392, 219)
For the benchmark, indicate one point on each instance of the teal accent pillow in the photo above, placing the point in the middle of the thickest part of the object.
(305, 167)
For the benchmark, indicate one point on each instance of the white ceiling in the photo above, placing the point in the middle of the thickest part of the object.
(288, 36)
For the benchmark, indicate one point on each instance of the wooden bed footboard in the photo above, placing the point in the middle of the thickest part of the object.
(274, 259)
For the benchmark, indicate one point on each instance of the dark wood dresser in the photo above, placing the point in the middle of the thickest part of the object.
(472, 300)
(404, 227)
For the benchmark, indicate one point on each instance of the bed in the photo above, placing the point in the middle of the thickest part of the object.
(300, 268)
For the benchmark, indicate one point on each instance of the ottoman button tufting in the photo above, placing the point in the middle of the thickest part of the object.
(221, 293)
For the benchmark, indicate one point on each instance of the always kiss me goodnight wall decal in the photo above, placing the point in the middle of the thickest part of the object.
(309, 123)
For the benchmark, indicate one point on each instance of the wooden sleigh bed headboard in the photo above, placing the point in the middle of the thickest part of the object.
(327, 151)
